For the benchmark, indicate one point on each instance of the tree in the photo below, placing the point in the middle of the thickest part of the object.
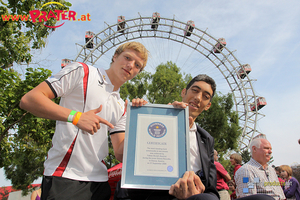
(246, 156)
(18, 37)
(137, 87)
(166, 84)
(24, 138)
(222, 123)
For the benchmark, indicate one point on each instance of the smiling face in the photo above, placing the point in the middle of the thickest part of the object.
(232, 161)
(198, 98)
(125, 67)
(284, 174)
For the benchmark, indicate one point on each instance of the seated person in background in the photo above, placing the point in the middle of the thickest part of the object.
(222, 178)
(236, 161)
(36, 195)
(291, 186)
(277, 170)
(232, 186)
(256, 177)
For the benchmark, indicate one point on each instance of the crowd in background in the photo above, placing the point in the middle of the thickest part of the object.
(227, 190)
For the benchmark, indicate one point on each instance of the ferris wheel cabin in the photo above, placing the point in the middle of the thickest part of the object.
(189, 28)
(219, 46)
(65, 62)
(261, 102)
(155, 20)
(121, 24)
(244, 70)
(88, 39)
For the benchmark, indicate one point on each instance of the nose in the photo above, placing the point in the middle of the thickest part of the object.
(198, 96)
(130, 64)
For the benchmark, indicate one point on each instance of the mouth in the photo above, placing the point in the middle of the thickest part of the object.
(193, 105)
(126, 71)
(269, 155)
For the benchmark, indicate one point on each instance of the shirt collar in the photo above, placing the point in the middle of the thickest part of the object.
(106, 79)
(257, 164)
(194, 128)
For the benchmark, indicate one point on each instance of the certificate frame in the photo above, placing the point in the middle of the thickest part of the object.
(133, 178)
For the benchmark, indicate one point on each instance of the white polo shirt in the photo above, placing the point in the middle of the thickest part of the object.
(76, 154)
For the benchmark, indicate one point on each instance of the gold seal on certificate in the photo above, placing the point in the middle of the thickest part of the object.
(155, 147)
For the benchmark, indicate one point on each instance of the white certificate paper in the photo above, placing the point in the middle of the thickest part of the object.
(156, 151)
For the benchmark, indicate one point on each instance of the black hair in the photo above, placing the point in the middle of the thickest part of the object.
(206, 79)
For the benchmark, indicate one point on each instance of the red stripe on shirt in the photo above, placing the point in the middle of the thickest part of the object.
(85, 78)
(61, 168)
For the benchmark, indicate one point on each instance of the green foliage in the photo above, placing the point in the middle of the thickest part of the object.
(24, 138)
(222, 123)
(166, 84)
(18, 37)
(137, 87)
(246, 156)
(110, 160)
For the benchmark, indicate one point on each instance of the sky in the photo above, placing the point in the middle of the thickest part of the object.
(263, 34)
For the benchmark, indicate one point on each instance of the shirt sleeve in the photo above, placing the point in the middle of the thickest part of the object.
(242, 179)
(220, 169)
(66, 80)
(120, 126)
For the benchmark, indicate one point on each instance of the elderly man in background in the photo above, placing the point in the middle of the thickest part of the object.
(256, 177)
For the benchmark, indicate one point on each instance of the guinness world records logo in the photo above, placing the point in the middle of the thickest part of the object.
(157, 129)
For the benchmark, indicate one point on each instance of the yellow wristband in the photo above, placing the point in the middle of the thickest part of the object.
(78, 115)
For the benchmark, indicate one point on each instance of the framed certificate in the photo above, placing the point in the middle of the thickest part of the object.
(156, 146)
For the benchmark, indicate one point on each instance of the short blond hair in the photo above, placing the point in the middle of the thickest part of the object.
(137, 46)
(237, 158)
(287, 168)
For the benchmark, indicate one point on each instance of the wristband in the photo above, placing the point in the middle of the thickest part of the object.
(78, 115)
(70, 118)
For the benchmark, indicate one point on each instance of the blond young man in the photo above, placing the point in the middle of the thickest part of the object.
(90, 106)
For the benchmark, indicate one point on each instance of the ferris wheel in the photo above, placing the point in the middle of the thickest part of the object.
(213, 50)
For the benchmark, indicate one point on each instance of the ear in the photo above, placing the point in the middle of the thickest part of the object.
(183, 92)
(114, 57)
(207, 106)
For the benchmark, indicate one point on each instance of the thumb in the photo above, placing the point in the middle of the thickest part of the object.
(97, 110)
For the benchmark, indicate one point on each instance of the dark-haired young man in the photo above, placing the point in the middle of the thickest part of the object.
(202, 178)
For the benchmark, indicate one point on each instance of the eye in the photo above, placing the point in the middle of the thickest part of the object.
(206, 96)
(138, 66)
